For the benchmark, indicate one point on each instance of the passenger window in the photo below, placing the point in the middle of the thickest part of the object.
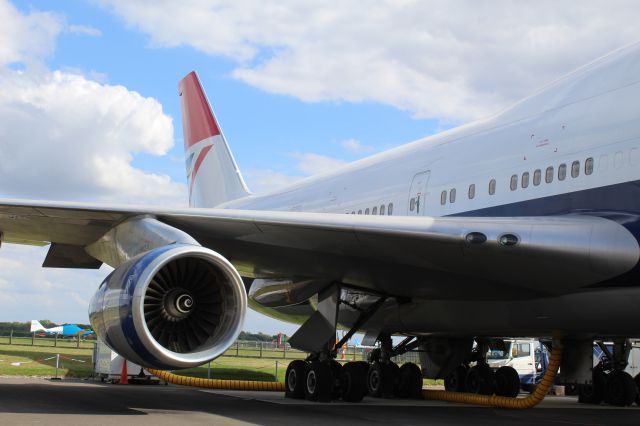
(562, 171)
(548, 175)
(588, 166)
(412, 204)
(452, 196)
(374, 210)
(525, 180)
(443, 197)
(382, 210)
(633, 156)
(537, 175)
(366, 211)
(514, 182)
(604, 163)
(359, 211)
(472, 191)
(575, 169)
(617, 160)
(390, 209)
(492, 186)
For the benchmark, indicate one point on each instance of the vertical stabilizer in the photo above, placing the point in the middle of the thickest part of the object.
(36, 326)
(212, 172)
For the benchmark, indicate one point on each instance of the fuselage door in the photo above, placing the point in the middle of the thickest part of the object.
(417, 193)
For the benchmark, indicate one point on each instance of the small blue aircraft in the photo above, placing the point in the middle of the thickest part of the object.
(60, 330)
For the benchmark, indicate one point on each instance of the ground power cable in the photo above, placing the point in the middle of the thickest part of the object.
(532, 400)
(541, 390)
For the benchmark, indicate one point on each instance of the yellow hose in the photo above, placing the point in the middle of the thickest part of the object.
(469, 398)
(217, 383)
(502, 401)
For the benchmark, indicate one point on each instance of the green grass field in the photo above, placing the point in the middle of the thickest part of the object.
(41, 361)
(22, 359)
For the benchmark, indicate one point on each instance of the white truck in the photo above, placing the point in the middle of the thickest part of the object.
(527, 356)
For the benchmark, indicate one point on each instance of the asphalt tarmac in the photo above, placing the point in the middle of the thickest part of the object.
(28, 401)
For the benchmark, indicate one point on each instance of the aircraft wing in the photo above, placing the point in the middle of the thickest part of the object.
(397, 255)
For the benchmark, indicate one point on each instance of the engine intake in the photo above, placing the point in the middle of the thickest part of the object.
(176, 306)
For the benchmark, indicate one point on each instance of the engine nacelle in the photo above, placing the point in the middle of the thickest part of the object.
(176, 306)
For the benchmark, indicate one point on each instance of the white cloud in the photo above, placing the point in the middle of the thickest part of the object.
(24, 38)
(65, 136)
(84, 30)
(265, 180)
(311, 164)
(449, 59)
(28, 291)
(356, 147)
(261, 181)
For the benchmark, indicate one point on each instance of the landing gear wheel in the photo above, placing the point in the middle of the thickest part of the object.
(637, 380)
(336, 374)
(295, 379)
(353, 383)
(621, 389)
(507, 382)
(318, 382)
(480, 380)
(364, 365)
(593, 393)
(380, 380)
(395, 377)
(410, 382)
(454, 382)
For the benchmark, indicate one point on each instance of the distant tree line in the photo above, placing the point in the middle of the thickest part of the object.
(257, 337)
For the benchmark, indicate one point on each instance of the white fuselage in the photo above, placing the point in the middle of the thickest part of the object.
(591, 113)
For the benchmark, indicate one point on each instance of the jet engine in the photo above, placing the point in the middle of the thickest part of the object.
(177, 306)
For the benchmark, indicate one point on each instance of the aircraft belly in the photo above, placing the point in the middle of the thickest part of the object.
(606, 313)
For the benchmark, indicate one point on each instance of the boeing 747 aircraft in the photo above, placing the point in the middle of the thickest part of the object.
(523, 224)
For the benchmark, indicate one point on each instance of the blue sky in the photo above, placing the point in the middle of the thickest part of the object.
(89, 107)
(264, 129)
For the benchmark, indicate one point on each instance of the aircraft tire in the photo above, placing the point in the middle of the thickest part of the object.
(480, 380)
(318, 382)
(507, 381)
(410, 381)
(455, 381)
(621, 389)
(336, 373)
(353, 383)
(593, 393)
(380, 380)
(295, 379)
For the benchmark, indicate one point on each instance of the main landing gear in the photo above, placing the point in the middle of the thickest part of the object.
(480, 378)
(610, 383)
(321, 378)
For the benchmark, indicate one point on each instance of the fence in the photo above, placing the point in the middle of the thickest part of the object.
(33, 339)
(240, 349)
(251, 349)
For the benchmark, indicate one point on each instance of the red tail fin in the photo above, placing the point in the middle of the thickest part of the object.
(211, 170)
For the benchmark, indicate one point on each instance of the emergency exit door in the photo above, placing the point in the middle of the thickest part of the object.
(417, 194)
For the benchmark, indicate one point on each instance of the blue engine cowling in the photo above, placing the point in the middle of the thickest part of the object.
(176, 306)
